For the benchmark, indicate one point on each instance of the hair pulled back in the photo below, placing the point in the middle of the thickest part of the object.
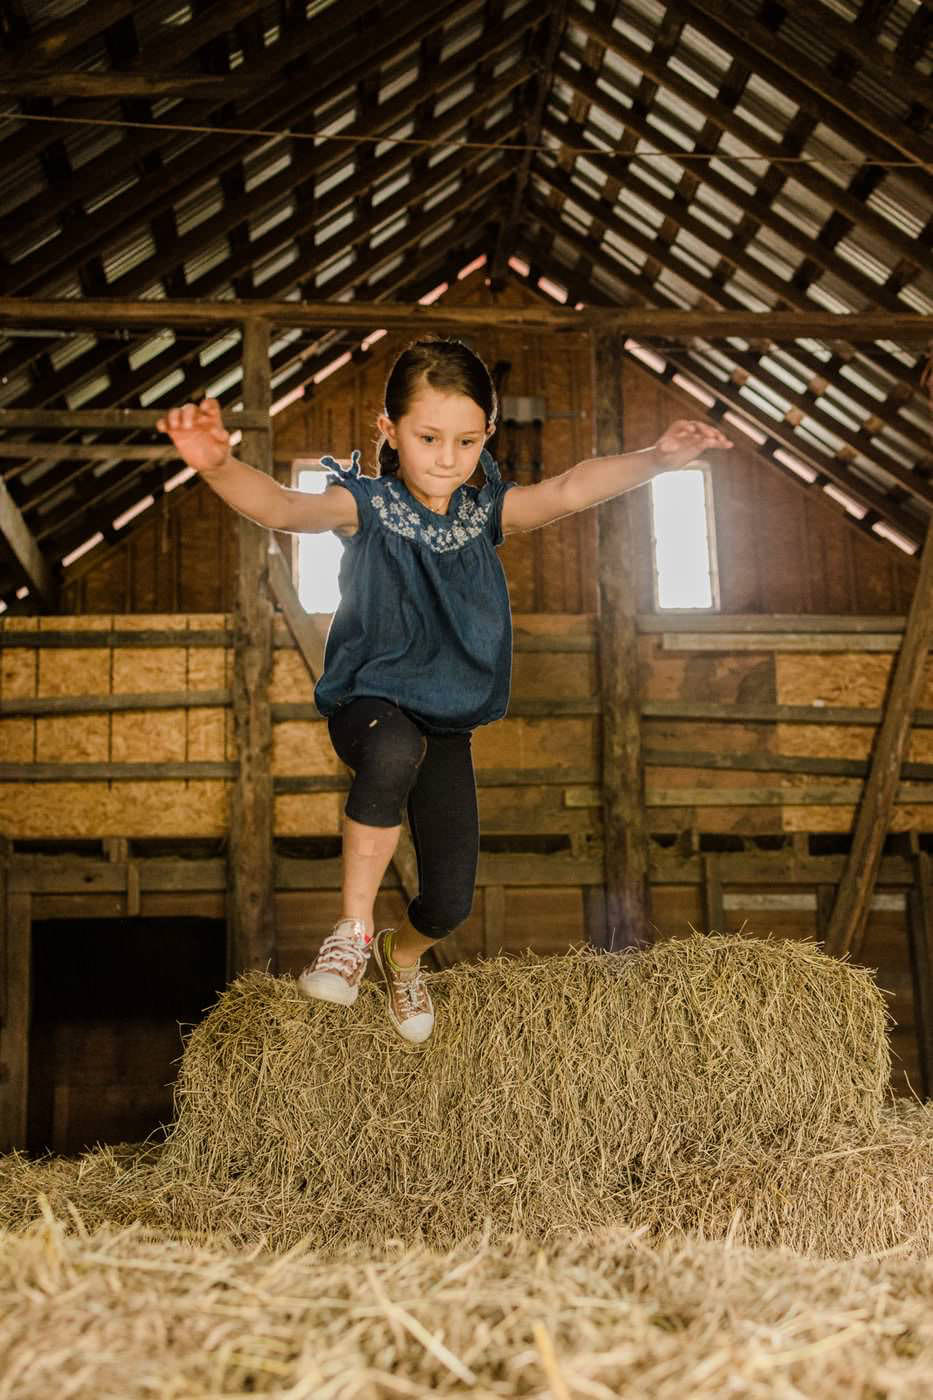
(445, 364)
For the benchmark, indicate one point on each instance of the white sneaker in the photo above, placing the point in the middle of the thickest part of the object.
(337, 971)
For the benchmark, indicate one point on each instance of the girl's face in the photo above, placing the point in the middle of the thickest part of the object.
(438, 441)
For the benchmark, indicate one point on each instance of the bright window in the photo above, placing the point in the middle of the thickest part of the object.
(318, 558)
(682, 536)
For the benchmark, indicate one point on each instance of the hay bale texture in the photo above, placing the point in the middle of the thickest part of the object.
(724, 1087)
(551, 1090)
(123, 1316)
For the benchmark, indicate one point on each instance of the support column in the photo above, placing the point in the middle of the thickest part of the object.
(251, 863)
(16, 944)
(626, 842)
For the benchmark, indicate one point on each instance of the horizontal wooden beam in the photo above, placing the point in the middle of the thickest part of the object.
(112, 704)
(751, 713)
(80, 84)
(114, 418)
(763, 761)
(635, 320)
(87, 452)
(780, 641)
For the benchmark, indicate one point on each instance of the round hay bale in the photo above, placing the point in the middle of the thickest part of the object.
(551, 1091)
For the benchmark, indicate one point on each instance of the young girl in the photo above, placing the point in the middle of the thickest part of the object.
(419, 651)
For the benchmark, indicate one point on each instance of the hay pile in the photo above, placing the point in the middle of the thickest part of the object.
(705, 1085)
(116, 1316)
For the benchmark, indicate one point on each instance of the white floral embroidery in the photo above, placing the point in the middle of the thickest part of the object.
(397, 515)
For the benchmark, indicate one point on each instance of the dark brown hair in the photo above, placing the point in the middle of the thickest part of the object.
(448, 365)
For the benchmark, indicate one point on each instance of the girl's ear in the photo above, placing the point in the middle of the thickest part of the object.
(387, 428)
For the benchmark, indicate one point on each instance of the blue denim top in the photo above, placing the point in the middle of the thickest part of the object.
(424, 617)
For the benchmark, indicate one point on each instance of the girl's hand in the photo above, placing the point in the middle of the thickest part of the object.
(198, 432)
(683, 442)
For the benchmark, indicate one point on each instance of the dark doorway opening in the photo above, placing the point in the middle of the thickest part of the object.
(111, 999)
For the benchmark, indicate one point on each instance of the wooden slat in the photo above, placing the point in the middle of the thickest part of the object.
(112, 704)
(14, 1033)
(113, 772)
(626, 849)
(17, 540)
(104, 418)
(920, 946)
(666, 322)
(251, 921)
(145, 637)
(764, 761)
(780, 641)
(747, 713)
(847, 925)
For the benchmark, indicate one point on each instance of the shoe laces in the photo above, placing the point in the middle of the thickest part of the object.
(410, 990)
(342, 951)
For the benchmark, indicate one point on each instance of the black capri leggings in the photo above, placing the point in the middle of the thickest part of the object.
(392, 760)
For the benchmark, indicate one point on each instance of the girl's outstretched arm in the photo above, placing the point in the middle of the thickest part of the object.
(598, 479)
(203, 442)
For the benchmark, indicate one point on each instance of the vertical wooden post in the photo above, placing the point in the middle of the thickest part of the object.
(251, 864)
(850, 911)
(920, 943)
(14, 1032)
(626, 842)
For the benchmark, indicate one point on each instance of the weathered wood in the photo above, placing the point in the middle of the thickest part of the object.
(665, 322)
(251, 927)
(485, 777)
(714, 909)
(920, 945)
(677, 620)
(715, 710)
(80, 84)
(111, 704)
(780, 641)
(113, 418)
(18, 542)
(86, 452)
(764, 761)
(14, 1032)
(113, 772)
(626, 847)
(845, 795)
(493, 921)
(163, 637)
(302, 625)
(847, 925)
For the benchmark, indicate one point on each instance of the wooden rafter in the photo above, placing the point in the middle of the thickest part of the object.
(50, 42)
(856, 118)
(557, 22)
(727, 396)
(726, 120)
(18, 542)
(117, 221)
(885, 66)
(713, 294)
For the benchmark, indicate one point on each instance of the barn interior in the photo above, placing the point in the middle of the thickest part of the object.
(635, 213)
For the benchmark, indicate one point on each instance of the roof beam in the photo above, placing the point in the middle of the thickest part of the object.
(707, 290)
(872, 498)
(48, 43)
(557, 21)
(806, 82)
(878, 61)
(19, 543)
(80, 84)
(726, 120)
(638, 320)
(119, 219)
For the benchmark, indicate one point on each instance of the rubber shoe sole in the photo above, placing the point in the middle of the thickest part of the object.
(327, 986)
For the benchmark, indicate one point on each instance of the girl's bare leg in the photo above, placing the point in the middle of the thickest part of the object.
(367, 851)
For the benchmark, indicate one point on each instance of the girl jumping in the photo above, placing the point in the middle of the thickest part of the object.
(419, 651)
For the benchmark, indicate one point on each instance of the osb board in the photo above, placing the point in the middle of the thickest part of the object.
(904, 817)
(72, 738)
(17, 740)
(845, 741)
(75, 672)
(290, 680)
(502, 811)
(18, 673)
(560, 742)
(133, 809)
(845, 678)
(149, 736)
(206, 735)
(731, 679)
(304, 747)
(138, 669)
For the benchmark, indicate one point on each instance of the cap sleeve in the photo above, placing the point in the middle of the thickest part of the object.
(493, 494)
(355, 483)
